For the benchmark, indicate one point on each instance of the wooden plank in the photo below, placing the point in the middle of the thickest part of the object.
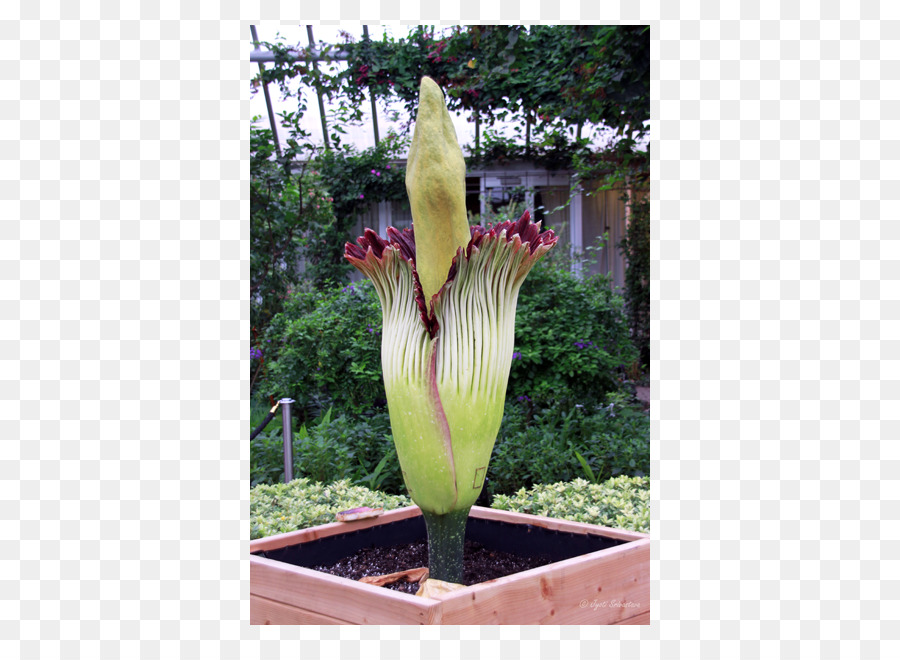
(338, 597)
(605, 587)
(555, 523)
(642, 619)
(602, 587)
(330, 529)
(265, 612)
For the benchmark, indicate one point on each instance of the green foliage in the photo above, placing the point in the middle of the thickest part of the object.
(571, 339)
(636, 249)
(278, 218)
(266, 456)
(548, 76)
(326, 350)
(533, 446)
(308, 215)
(544, 445)
(554, 149)
(350, 448)
(572, 344)
(621, 502)
(280, 508)
(577, 73)
(588, 471)
(356, 179)
(359, 449)
(360, 177)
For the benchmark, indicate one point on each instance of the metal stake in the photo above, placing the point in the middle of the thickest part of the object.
(288, 440)
(372, 94)
(312, 43)
(265, 87)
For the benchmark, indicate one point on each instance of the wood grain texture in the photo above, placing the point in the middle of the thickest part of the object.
(330, 529)
(602, 587)
(610, 586)
(555, 523)
(265, 612)
(337, 597)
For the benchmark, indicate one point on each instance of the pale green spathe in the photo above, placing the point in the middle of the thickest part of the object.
(446, 393)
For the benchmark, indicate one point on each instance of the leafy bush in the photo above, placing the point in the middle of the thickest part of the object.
(348, 448)
(283, 508)
(572, 344)
(356, 179)
(532, 447)
(544, 446)
(622, 502)
(286, 209)
(267, 457)
(326, 350)
(572, 340)
(358, 449)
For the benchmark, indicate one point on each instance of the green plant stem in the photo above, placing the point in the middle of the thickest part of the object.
(446, 536)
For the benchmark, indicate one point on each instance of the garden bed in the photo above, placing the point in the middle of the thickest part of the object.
(596, 574)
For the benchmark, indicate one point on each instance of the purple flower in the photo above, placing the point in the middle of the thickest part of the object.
(524, 397)
(373, 171)
(255, 354)
(584, 344)
(389, 167)
(517, 356)
(377, 173)
(361, 196)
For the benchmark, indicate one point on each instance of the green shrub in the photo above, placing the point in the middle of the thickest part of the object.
(622, 502)
(324, 349)
(572, 345)
(532, 447)
(360, 450)
(543, 446)
(279, 508)
(350, 448)
(572, 339)
(267, 456)
(287, 209)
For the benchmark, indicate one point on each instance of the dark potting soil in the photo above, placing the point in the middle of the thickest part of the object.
(480, 564)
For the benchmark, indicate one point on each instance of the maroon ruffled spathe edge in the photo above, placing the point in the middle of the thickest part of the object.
(529, 234)
(405, 242)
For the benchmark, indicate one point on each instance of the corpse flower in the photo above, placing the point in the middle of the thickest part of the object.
(448, 295)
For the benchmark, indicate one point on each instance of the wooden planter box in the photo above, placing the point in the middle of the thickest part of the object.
(607, 586)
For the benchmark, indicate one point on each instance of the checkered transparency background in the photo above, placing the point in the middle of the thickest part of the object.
(124, 318)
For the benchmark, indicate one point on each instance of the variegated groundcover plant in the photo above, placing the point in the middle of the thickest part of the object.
(448, 294)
